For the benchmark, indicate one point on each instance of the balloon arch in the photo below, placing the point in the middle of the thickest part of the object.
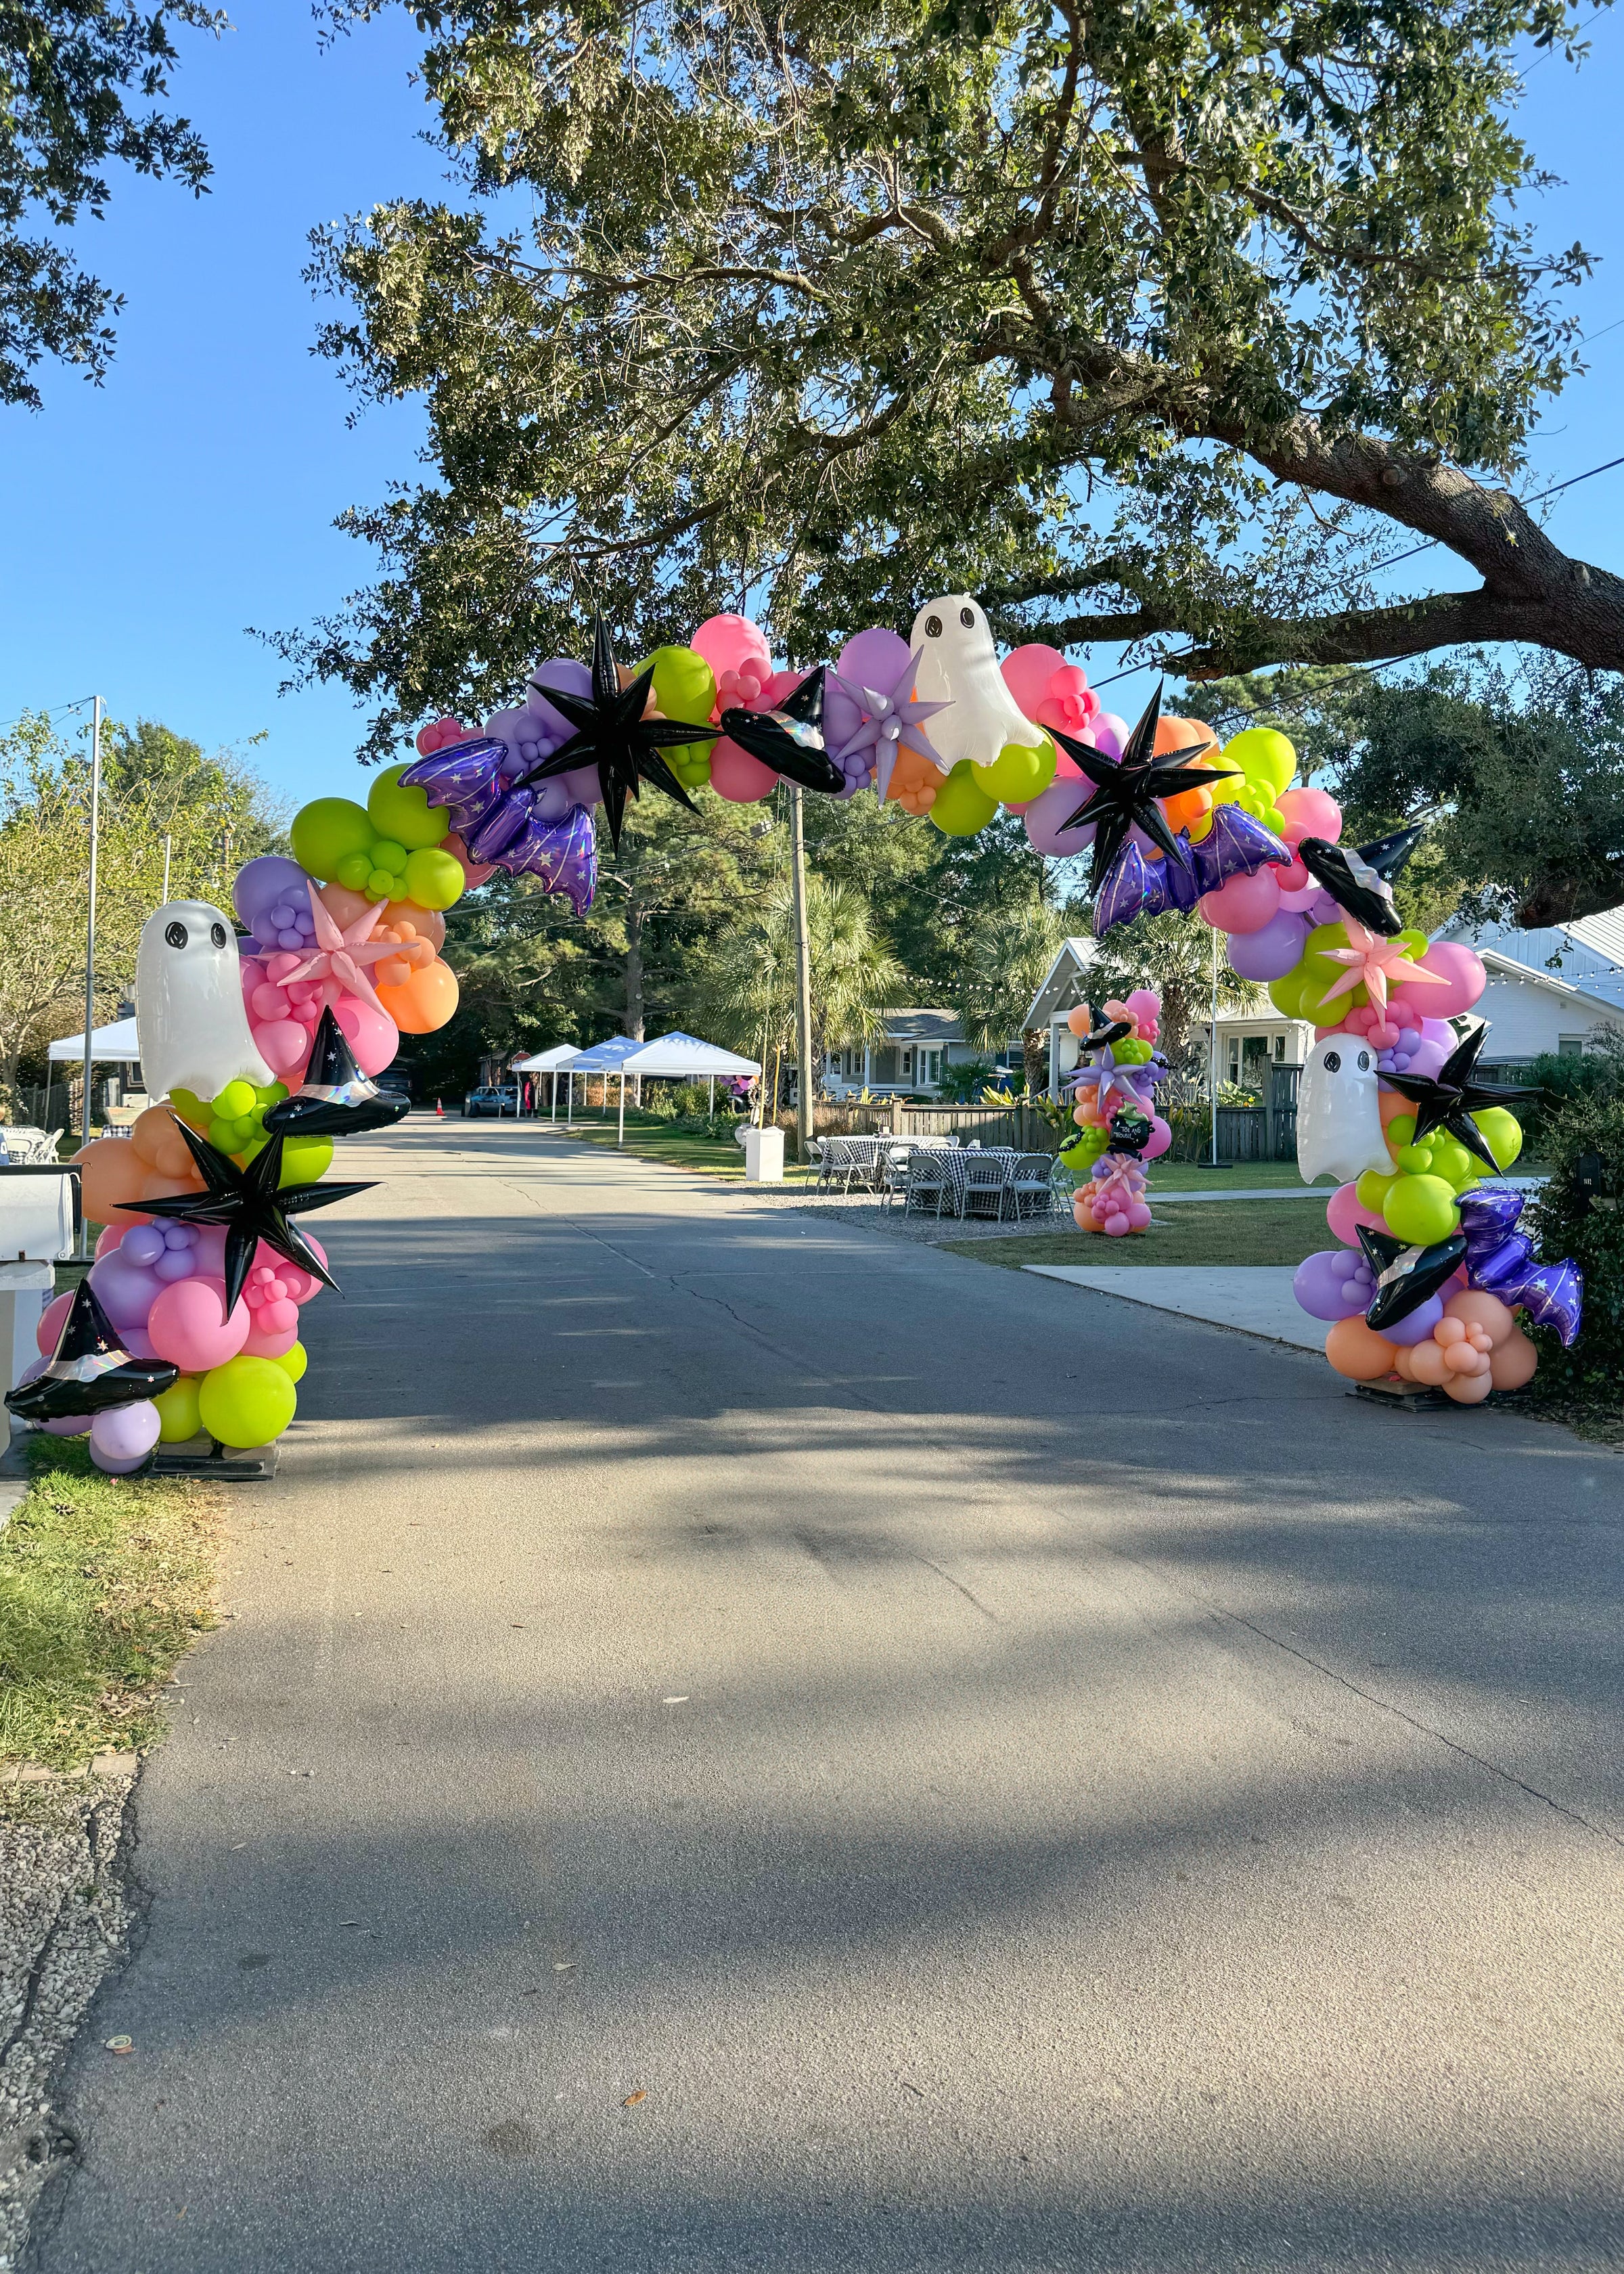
(265, 1048)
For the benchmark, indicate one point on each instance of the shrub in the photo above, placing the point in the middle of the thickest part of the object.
(1559, 1080)
(1561, 1224)
(962, 1085)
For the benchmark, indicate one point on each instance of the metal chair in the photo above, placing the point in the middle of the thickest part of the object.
(1031, 1184)
(924, 1180)
(986, 1176)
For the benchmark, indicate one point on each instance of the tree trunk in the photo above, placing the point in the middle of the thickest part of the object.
(1034, 1058)
(634, 972)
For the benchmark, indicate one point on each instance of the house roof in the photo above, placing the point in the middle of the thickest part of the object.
(932, 1027)
(1074, 954)
(1588, 953)
(1509, 967)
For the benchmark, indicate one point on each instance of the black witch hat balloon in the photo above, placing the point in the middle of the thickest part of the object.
(90, 1371)
(335, 1099)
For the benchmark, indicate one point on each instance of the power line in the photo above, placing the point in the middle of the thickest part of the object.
(45, 711)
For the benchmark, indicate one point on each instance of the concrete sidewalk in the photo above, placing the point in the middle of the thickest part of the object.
(747, 1745)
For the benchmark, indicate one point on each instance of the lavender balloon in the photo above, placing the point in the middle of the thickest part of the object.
(121, 1439)
(126, 1291)
(1328, 1285)
(1416, 1326)
(1269, 952)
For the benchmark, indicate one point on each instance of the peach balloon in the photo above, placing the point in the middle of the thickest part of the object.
(342, 905)
(113, 1176)
(1469, 1389)
(1354, 1350)
(158, 1186)
(475, 873)
(1404, 1361)
(1080, 1021)
(1514, 1362)
(1426, 1364)
(1478, 1309)
(427, 923)
(425, 1000)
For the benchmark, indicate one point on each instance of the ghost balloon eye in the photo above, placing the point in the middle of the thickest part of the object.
(217, 933)
(1333, 1062)
(1365, 1062)
(176, 934)
(966, 617)
(932, 627)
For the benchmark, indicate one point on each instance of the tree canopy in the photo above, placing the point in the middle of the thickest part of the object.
(73, 74)
(1146, 320)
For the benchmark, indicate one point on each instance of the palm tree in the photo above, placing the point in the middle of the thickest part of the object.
(744, 991)
(1174, 954)
(1007, 955)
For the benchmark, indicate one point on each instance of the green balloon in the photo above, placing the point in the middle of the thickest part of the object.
(247, 1401)
(1286, 994)
(1264, 756)
(178, 1416)
(1019, 774)
(330, 831)
(685, 688)
(403, 816)
(293, 1362)
(1421, 1209)
(235, 1100)
(305, 1160)
(1502, 1133)
(434, 878)
(961, 807)
(353, 871)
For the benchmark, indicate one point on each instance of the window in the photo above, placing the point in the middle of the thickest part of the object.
(1570, 1046)
(1280, 1046)
(930, 1067)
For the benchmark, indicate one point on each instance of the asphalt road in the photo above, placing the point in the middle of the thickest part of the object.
(744, 1745)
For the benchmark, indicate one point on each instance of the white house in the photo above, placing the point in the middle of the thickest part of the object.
(1247, 1040)
(1549, 992)
(904, 1059)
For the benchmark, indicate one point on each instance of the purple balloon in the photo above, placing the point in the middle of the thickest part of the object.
(121, 1439)
(1046, 813)
(1273, 949)
(143, 1243)
(1417, 1326)
(127, 1292)
(175, 1263)
(876, 658)
(1324, 1287)
(262, 883)
(1108, 732)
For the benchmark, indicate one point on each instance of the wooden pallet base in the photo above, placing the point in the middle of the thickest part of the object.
(215, 1465)
(1405, 1397)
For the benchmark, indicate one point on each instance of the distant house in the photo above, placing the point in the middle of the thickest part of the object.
(904, 1059)
(1551, 992)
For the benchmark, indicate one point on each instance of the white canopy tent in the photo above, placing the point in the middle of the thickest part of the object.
(682, 1057)
(119, 1041)
(605, 1059)
(552, 1062)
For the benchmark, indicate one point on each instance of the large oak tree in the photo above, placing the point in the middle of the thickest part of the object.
(1151, 319)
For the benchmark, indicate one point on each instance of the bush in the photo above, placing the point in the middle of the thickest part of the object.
(1558, 1080)
(962, 1085)
(1561, 1224)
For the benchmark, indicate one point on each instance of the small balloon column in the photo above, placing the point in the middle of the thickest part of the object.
(1119, 1126)
(263, 1050)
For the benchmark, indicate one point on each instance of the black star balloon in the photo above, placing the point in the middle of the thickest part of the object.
(335, 1099)
(1124, 794)
(248, 1203)
(1359, 878)
(90, 1371)
(1405, 1275)
(1449, 1100)
(612, 733)
(790, 740)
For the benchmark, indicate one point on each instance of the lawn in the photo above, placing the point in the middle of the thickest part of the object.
(1259, 1231)
(678, 1148)
(104, 1583)
(1251, 1176)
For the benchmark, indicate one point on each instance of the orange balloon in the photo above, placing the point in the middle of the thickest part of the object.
(160, 1143)
(425, 1001)
(1355, 1351)
(914, 782)
(1476, 1309)
(342, 905)
(1391, 1105)
(1426, 1364)
(427, 923)
(1079, 1020)
(1469, 1389)
(114, 1176)
(159, 1186)
(1188, 806)
(1514, 1361)
(1402, 1362)
(1181, 734)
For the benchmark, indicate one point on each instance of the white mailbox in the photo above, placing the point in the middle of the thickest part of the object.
(36, 1233)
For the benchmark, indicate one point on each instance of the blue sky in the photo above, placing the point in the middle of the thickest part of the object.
(155, 518)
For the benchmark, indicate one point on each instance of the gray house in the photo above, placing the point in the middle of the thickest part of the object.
(906, 1059)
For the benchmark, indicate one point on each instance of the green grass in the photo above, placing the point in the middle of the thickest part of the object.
(104, 1583)
(1262, 1231)
(678, 1148)
(1251, 1176)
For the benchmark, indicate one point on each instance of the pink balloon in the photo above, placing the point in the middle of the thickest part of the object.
(1026, 674)
(1245, 904)
(1117, 1226)
(110, 1236)
(283, 1043)
(263, 1342)
(1465, 976)
(1161, 1138)
(1312, 813)
(732, 644)
(188, 1325)
(1138, 1217)
(1344, 1215)
(738, 777)
(371, 1035)
(52, 1320)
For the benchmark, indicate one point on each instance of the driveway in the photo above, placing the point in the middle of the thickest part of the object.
(742, 1744)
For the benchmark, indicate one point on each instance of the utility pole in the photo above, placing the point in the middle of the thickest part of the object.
(90, 927)
(804, 975)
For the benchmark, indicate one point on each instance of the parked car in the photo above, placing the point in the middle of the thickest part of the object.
(492, 1102)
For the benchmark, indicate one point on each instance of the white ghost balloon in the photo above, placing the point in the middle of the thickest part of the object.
(1339, 1128)
(190, 1020)
(958, 665)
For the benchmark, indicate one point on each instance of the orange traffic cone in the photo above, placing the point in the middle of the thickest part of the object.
(439, 1111)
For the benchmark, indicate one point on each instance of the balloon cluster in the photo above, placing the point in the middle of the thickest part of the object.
(1118, 1127)
(263, 1050)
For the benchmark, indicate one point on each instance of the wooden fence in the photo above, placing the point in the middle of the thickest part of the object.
(1021, 1125)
